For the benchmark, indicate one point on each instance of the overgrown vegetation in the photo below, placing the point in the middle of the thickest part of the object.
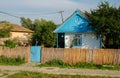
(11, 61)
(43, 31)
(5, 31)
(10, 43)
(106, 22)
(56, 63)
(59, 63)
(24, 74)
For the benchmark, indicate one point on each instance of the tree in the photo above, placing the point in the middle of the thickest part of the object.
(105, 21)
(5, 32)
(43, 32)
(27, 23)
(4, 22)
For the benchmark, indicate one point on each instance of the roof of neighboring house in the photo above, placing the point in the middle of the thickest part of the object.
(15, 27)
(77, 22)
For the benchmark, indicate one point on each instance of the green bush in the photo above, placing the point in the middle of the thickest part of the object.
(84, 65)
(11, 61)
(60, 63)
(56, 63)
(10, 43)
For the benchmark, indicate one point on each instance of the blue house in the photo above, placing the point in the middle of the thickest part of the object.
(75, 32)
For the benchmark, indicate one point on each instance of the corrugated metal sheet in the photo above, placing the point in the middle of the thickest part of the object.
(76, 23)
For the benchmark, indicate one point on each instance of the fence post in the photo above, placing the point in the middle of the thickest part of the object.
(0, 50)
(89, 55)
(28, 55)
(116, 56)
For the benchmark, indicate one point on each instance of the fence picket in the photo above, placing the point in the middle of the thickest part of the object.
(69, 55)
(74, 55)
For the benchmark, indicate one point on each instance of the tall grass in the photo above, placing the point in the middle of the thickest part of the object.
(56, 63)
(59, 63)
(11, 61)
(43, 75)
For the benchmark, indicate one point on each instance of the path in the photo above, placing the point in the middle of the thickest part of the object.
(55, 70)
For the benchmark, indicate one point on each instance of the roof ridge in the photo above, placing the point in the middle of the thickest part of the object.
(81, 12)
(16, 27)
(68, 22)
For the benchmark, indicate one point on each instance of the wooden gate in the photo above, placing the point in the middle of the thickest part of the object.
(35, 53)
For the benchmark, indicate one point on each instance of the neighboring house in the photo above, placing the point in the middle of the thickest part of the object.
(19, 32)
(75, 32)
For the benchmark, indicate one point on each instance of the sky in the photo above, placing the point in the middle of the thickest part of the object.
(47, 9)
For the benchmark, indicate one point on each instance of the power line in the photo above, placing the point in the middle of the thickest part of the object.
(9, 14)
(37, 13)
(61, 13)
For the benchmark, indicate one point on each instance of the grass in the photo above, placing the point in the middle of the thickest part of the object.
(55, 63)
(24, 74)
(59, 63)
(3, 74)
(11, 61)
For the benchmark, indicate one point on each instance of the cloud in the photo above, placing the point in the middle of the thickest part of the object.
(46, 6)
(51, 4)
(48, 3)
(41, 5)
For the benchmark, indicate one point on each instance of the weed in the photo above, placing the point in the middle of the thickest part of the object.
(60, 63)
(25, 74)
(10, 43)
(56, 63)
(11, 61)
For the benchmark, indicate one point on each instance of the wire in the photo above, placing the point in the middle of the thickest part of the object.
(41, 14)
(9, 14)
(44, 14)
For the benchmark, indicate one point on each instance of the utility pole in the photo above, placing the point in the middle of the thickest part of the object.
(61, 13)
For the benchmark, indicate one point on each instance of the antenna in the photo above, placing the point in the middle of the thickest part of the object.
(61, 13)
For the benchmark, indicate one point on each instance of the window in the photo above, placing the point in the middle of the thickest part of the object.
(77, 41)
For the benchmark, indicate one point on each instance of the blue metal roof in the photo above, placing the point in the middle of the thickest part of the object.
(77, 22)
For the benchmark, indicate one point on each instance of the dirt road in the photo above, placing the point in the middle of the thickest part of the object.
(54, 70)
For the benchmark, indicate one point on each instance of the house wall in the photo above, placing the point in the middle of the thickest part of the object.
(89, 40)
(21, 35)
(68, 39)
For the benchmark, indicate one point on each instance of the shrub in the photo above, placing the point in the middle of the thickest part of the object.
(10, 43)
(84, 65)
(60, 63)
(11, 61)
(56, 63)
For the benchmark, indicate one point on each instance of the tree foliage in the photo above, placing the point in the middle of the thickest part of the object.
(43, 32)
(5, 32)
(106, 21)
(27, 23)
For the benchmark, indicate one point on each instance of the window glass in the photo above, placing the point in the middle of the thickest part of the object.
(77, 41)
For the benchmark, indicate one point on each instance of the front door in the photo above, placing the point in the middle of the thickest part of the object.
(61, 41)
